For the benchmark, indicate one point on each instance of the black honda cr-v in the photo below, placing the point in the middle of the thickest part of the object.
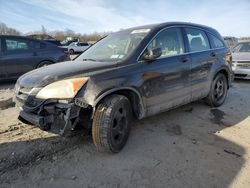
(129, 74)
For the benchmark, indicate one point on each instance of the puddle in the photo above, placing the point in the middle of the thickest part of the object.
(218, 116)
(4, 104)
(174, 129)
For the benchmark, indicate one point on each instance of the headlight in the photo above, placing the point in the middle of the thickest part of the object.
(64, 89)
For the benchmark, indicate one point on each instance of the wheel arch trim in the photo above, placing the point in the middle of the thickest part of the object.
(142, 109)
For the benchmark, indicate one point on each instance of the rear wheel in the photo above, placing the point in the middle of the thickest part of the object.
(111, 123)
(218, 91)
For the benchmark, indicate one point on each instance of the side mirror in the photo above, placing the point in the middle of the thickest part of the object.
(153, 54)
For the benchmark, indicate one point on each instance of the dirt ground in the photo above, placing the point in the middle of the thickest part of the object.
(191, 146)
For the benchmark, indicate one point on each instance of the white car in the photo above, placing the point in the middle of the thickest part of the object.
(241, 60)
(77, 47)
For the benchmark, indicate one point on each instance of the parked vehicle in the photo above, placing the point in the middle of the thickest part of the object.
(231, 42)
(19, 55)
(77, 47)
(69, 40)
(241, 60)
(133, 73)
(55, 42)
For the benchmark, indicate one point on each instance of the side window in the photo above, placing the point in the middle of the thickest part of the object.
(216, 43)
(84, 44)
(169, 41)
(35, 44)
(16, 44)
(197, 40)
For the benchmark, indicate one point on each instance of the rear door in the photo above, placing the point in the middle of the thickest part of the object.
(166, 79)
(203, 59)
(18, 57)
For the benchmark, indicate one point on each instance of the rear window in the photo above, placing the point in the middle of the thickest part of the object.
(197, 40)
(215, 42)
(16, 44)
(35, 44)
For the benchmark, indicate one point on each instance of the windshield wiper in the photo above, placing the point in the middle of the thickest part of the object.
(89, 60)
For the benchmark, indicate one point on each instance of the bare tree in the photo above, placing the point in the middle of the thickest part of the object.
(59, 35)
(5, 30)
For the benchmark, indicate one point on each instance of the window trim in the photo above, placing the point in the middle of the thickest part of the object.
(187, 51)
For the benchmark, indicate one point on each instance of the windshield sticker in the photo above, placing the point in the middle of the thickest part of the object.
(121, 56)
(115, 56)
(140, 31)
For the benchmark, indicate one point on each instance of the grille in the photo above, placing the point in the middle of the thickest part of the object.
(240, 75)
(244, 65)
(243, 61)
(25, 98)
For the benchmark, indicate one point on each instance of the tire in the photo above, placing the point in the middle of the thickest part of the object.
(71, 51)
(43, 64)
(218, 91)
(111, 124)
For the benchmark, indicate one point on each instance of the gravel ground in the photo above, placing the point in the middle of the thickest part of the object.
(191, 146)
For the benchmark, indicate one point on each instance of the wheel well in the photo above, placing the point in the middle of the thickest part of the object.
(134, 99)
(223, 71)
(43, 61)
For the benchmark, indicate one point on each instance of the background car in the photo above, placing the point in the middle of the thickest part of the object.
(77, 47)
(231, 42)
(241, 60)
(19, 55)
(53, 41)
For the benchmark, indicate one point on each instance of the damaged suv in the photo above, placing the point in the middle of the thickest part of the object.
(133, 73)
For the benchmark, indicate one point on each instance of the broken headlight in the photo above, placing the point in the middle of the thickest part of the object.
(63, 89)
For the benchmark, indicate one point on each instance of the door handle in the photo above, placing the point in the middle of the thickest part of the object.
(184, 59)
(213, 54)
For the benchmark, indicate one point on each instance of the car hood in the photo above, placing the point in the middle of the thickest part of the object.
(242, 56)
(69, 69)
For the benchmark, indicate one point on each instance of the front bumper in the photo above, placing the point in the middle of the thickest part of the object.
(241, 72)
(56, 117)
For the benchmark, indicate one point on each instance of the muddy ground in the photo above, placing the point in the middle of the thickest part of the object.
(191, 146)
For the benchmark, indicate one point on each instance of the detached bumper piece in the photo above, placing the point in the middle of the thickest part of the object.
(56, 117)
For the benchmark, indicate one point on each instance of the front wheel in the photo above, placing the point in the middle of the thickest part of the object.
(71, 51)
(111, 123)
(218, 91)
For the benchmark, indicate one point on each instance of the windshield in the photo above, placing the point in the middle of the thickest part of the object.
(242, 47)
(73, 44)
(115, 47)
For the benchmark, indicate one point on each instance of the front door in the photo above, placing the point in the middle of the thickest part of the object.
(3, 72)
(167, 78)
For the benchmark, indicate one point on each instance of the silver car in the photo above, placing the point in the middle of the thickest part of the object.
(241, 60)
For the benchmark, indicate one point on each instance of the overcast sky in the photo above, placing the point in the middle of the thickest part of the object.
(229, 17)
